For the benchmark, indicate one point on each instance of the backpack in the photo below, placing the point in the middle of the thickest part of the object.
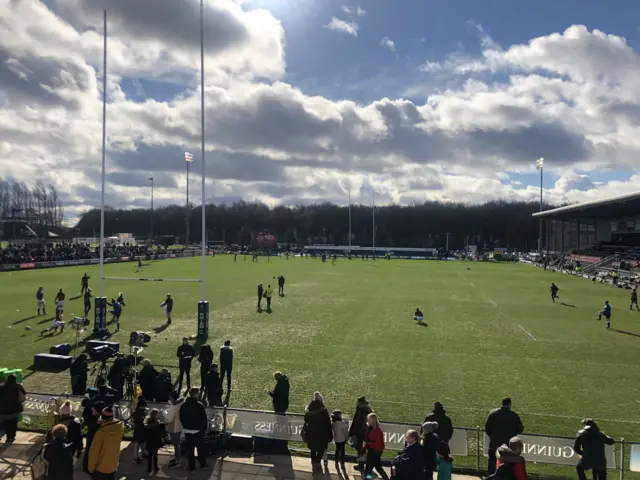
(506, 471)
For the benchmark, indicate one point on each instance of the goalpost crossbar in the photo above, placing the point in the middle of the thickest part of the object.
(193, 280)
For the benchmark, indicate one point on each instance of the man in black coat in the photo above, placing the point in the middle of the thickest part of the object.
(162, 387)
(445, 426)
(280, 394)
(147, 378)
(260, 294)
(78, 371)
(409, 464)
(185, 355)
(193, 418)
(590, 445)
(281, 285)
(226, 363)
(502, 424)
(212, 388)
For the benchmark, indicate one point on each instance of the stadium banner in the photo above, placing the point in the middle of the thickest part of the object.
(556, 450)
(394, 437)
(265, 424)
(266, 239)
(634, 463)
(585, 258)
(27, 266)
(43, 405)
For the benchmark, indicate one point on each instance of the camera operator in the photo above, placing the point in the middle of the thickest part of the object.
(79, 372)
(162, 386)
(117, 373)
(185, 354)
(147, 379)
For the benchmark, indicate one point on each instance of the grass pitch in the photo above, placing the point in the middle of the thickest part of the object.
(347, 330)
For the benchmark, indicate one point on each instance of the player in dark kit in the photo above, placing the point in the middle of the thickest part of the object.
(634, 299)
(42, 305)
(87, 302)
(260, 295)
(115, 312)
(84, 283)
(281, 285)
(59, 301)
(120, 299)
(554, 292)
(168, 307)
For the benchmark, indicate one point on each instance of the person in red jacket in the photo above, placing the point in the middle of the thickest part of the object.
(510, 458)
(374, 446)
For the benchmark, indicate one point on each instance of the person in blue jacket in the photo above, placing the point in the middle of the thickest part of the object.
(409, 464)
(116, 312)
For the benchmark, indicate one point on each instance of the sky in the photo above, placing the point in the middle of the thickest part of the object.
(308, 101)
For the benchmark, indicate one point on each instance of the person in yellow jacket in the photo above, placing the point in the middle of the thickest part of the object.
(104, 454)
(268, 294)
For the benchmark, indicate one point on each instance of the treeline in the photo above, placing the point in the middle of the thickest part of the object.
(37, 205)
(493, 224)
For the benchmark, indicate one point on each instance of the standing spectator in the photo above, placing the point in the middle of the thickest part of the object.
(409, 464)
(226, 363)
(590, 445)
(73, 426)
(502, 424)
(374, 446)
(185, 354)
(11, 404)
(174, 427)
(280, 394)
(193, 417)
(358, 427)
(430, 443)
(78, 371)
(212, 389)
(319, 433)
(139, 432)
(281, 284)
(147, 378)
(162, 386)
(59, 456)
(340, 436)
(445, 426)
(154, 433)
(104, 455)
(445, 461)
(260, 293)
(205, 357)
(91, 416)
(510, 460)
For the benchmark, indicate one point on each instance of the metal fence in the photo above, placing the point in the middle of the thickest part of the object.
(466, 441)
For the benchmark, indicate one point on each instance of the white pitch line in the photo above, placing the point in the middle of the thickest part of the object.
(492, 302)
(527, 332)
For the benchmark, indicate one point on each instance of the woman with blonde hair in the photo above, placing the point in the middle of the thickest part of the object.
(374, 446)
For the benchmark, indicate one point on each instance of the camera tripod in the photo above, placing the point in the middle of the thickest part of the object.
(101, 377)
(130, 385)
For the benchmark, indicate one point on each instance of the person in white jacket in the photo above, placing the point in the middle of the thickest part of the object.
(340, 436)
(174, 427)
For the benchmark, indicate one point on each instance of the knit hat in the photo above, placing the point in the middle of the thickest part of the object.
(318, 397)
(429, 427)
(438, 406)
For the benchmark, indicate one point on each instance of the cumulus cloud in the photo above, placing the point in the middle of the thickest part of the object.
(350, 28)
(569, 97)
(389, 44)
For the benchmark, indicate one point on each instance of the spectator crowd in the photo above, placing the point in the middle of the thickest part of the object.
(184, 425)
(50, 252)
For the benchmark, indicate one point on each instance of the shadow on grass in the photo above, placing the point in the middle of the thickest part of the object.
(626, 333)
(46, 320)
(421, 324)
(567, 305)
(160, 329)
(26, 319)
